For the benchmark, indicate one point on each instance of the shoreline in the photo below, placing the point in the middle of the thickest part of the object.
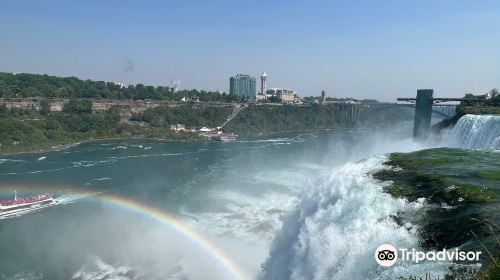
(307, 131)
(58, 147)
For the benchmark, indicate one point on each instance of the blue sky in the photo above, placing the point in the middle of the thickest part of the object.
(363, 49)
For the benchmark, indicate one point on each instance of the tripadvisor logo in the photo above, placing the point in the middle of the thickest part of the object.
(387, 255)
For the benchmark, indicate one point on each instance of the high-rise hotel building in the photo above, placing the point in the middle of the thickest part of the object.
(242, 86)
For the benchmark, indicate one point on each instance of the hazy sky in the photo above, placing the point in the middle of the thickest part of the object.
(363, 49)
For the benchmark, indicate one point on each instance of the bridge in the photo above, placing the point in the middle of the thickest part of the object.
(444, 110)
(425, 106)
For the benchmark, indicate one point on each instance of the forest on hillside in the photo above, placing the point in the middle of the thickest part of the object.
(32, 85)
(27, 130)
(187, 115)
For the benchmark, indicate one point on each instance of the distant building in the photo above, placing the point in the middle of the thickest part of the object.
(205, 129)
(263, 79)
(178, 127)
(341, 101)
(297, 100)
(283, 95)
(492, 94)
(119, 84)
(261, 97)
(243, 86)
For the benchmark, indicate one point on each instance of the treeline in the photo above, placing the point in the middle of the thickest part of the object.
(187, 115)
(483, 104)
(491, 98)
(488, 103)
(267, 119)
(33, 85)
(264, 119)
(24, 130)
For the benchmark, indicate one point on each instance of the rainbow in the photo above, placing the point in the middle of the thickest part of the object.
(159, 216)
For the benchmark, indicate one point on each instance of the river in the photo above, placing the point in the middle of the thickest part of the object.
(300, 206)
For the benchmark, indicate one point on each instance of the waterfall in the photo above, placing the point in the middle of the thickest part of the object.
(475, 132)
(339, 222)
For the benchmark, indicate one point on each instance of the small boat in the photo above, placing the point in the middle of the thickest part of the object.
(42, 158)
(227, 137)
(20, 205)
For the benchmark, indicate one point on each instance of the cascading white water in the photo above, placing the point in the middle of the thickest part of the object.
(475, 132)
(338, 224)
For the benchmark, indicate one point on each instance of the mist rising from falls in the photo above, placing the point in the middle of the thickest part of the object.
(338, 224)
(475, 132)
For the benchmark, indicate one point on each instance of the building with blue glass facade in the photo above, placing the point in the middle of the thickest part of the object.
(242, 86)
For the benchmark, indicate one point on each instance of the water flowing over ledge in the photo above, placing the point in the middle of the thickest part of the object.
(338, 224)
(475, 132)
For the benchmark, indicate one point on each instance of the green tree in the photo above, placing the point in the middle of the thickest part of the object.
(78, 106)
(44, 107)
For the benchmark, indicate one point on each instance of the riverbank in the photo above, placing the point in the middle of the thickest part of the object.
(460, 191)
(32, 131)
(176, 136)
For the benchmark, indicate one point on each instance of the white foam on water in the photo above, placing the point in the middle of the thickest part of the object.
(247, 217)
(3, 160)
(102, 179)
(38, 171)
(98, 269)
(136, 146)
(265, 140)
(72, 198)
(24, 276)
(120, 147)
(149, 155)
(93, 162)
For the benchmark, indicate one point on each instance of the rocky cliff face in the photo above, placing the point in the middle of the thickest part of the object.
(126, 107)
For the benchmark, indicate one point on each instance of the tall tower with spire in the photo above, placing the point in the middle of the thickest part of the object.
(263, 78)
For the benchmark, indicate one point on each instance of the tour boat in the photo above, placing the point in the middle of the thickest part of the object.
(19, 205)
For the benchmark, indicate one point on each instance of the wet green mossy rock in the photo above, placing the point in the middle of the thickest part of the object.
(462, 191)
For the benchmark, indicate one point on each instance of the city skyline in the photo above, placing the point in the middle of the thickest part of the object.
(358, 49)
